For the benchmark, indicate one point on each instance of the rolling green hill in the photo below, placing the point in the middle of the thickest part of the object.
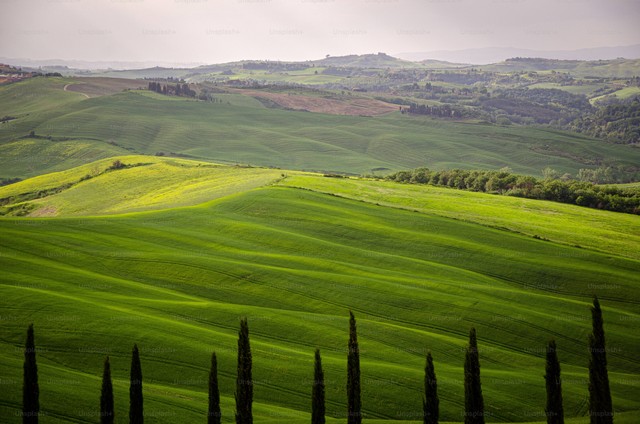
(237, 131)
(417, 268)
(144, 183)
(28, 157)
(380, 60)
(606, 231)
(616, 68)
(35, 101)
(155, 183)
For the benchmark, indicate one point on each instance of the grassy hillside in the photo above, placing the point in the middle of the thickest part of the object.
(33, 102)
(616, 68)
(623, 93)
(28, 157)
(238, 132)
(154, 183)
(34, 96)
(96, 86)
(294, 261)
(380, 60)
(606, 231)
(145, 183)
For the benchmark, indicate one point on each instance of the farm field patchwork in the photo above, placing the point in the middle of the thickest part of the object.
(238, 129)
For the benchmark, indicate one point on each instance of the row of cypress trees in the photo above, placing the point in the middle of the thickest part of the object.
(600, 404)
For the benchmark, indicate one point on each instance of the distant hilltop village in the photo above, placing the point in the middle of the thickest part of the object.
(10, 74)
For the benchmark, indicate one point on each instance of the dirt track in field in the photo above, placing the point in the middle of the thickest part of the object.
(99, 86)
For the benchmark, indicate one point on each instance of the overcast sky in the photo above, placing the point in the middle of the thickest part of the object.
(213, 31)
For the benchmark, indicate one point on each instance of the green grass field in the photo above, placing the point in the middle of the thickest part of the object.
(607, 231)
(29, 157)
(623, 93)
(170, 253)
(151, 183)
(586, 89)
(417, 268)
(239, 131)
(628, 185)
(616, 68)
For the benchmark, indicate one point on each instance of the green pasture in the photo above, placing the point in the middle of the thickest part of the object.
(294, 261)
(233, 131)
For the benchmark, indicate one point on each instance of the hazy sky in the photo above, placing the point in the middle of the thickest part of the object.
(224, 30)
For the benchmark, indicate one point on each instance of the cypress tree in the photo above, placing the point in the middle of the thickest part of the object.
(244, 381)
(473, 401)
(430, 403)
(354, 406)
(317, 394)
(214, 414)
(30, 388)
(106, 396)
(554, 410)
(136, 415)
(600, 405)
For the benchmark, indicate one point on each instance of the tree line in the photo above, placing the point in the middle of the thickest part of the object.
(537, 105)
(600, 403)
(182, 90)
(581, 193)
(444, 111)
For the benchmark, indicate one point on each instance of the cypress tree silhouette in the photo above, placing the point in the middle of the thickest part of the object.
(554, 410)
(30, 388)
(136, 415)
(430, 403)
(244, 381)
(354, 405)
(106, 395)
(317, 393)
(473, 401)
(600, 405)
(214, 415)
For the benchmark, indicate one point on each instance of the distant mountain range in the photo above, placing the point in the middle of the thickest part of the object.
(379, 60)
(493, 58)
(487, 55)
